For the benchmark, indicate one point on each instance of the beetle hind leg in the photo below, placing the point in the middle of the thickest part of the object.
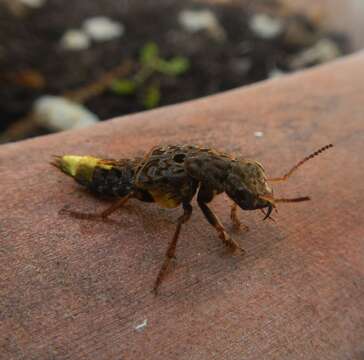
(102, 215)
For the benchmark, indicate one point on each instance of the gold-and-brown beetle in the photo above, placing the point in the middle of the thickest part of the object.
(170, 176)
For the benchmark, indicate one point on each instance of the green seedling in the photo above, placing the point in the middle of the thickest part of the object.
(152, 96)
(150, 63)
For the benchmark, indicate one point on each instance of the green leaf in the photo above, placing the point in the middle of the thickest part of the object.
(152, 97)
(123, 87)
(176, 66)
(149, 53)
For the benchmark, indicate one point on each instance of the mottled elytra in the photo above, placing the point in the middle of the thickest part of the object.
(171, 176)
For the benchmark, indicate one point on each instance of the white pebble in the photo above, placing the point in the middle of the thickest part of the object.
(141, 326)
(323, 51)
(258, 134)
(102, 28)
(266, 26)
(275, 73)
(197, 20)
(57, 113)
(75, 40)
(33, 3)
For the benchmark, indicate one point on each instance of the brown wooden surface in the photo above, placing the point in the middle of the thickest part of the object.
(72, 289)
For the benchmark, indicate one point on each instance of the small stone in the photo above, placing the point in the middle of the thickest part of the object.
(75, 40)
(323, 51)
(57, 113)
(141, 326)
(197, 20)
(275, 73)
(33, 3)
(266, 26)
(258, 134)
(102, 28)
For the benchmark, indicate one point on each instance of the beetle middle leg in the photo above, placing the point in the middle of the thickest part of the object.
(235, 220)
(205, 196)
(171, 251)
(102, 215)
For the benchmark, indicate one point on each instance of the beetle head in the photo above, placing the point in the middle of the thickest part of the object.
(247, 186)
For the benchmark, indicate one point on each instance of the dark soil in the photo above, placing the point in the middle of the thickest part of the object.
(30, 44)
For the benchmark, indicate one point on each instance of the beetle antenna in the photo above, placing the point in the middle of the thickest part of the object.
(273, 200)
(290, 172)
(298, 199)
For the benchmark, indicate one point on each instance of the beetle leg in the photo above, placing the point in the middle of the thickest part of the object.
(204, 196)
(103, 215)
(171, 251)
(235, 220)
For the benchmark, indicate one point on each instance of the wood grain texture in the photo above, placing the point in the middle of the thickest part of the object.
(73, 289)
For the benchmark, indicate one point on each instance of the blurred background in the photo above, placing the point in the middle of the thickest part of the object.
(69, 64)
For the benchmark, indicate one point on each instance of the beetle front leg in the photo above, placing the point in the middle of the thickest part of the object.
(205, 196)
(235, 220)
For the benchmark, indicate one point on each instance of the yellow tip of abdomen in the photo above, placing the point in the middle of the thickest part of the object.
(79, 167)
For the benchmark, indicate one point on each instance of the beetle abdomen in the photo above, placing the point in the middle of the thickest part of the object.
(117, 181)
(104, 177)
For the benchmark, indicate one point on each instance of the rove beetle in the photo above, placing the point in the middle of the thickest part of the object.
(171, 175)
